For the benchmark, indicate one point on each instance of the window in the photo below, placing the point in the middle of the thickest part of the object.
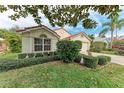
(38, 44)
(42, 44)
(47, 44)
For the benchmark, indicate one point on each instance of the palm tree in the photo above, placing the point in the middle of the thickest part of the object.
(119, 23)
(112, 26)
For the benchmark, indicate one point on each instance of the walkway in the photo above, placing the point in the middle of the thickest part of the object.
(115, 58)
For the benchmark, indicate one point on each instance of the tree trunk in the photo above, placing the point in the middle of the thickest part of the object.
(116, 33)
(111, 39)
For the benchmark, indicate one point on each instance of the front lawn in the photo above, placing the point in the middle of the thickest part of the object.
(8, 56)
(58, 74)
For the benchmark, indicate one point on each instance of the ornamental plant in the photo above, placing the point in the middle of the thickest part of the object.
(68, 50)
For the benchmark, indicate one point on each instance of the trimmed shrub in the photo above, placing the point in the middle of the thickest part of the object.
(6, 65)
(22, 56)
(90, 61)
(68, 50)
(78, 58)
(79, 43)
(56, 55)
(51, 53)
(45, 53)
(108, 58)
(30, 55)
(102, 60)
(39, 55)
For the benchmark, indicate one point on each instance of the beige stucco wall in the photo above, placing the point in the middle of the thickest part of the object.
(28, 40)
(85, 42)
(62, 33)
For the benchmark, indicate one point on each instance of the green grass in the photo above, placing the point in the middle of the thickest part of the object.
(112, 52)
(58, 74)
(8, 56)
(109, 52)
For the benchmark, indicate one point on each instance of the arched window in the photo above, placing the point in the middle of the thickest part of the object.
(43, 36)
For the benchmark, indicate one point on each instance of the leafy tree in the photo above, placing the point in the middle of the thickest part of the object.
(14, 42)
(114, 24)
(61, 15)
(12, 39)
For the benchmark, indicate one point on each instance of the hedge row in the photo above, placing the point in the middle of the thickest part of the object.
(35, 55)
(103, 60)
(92, 62)
(6, 65)
(78, 58)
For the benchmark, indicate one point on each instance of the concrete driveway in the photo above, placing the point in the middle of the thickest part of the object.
(115, 58)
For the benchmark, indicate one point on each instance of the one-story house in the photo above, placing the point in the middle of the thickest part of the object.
(41, 38)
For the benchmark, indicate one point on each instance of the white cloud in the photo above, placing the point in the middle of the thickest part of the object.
(7, 23)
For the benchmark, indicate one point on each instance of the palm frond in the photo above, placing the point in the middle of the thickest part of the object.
(106, 24)
(120, 23)
(104, 31)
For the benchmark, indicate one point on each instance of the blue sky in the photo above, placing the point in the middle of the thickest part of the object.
(7, 23)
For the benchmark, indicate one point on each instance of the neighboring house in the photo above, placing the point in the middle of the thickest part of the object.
(99, 39)
(41, 38)
(85, 41)
(62, 33)
(3, 46)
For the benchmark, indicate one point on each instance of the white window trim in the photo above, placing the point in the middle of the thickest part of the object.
(42, 45)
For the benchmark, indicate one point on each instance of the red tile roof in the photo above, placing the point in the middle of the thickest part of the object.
(22, 30)
(63, 29)
(72, 36)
